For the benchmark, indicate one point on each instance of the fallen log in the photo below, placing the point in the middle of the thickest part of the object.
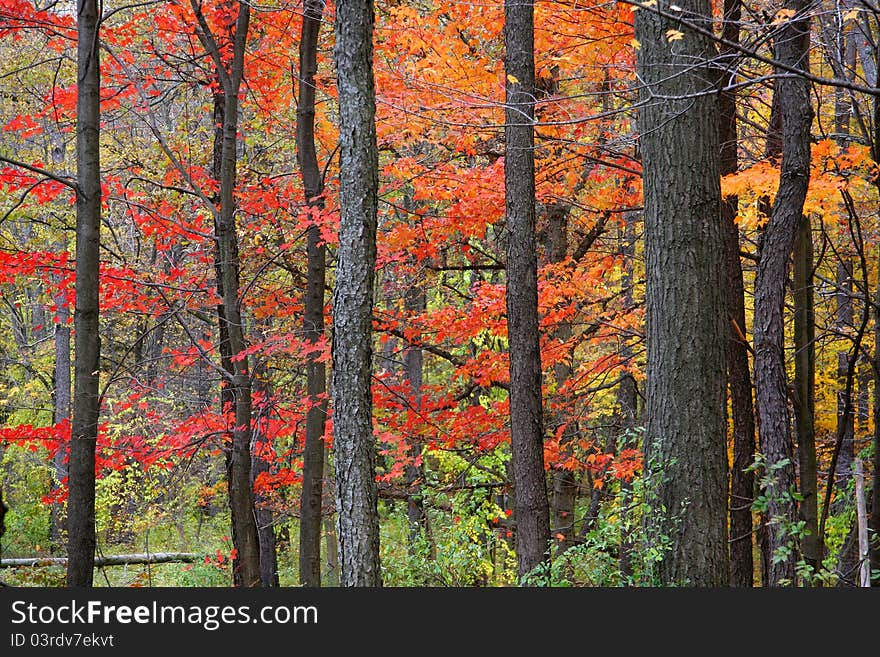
(108, 560)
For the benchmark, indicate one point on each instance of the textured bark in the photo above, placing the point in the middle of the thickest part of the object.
(246, 565)
(353, 443)
(792, 94)
(313, 329)
(532, 513)
(739, 376)
(227, 398)
(61, 411)
(804, 388)
(84, 428)
(686, 328)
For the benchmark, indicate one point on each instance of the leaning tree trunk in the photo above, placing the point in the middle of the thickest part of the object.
(532, 513)
(313, 329)
(84, 429)
(792, 93)
(739, 378)
(352, 348)
(686, 328)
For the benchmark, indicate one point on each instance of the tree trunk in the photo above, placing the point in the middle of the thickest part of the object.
(353, 443)
(804, 387)
(873, 62)
(313, 329)
(739, 376)
(792, 93)
(61, 412)
(415, 302)
(874, 522)
(686, 331)
(845, 421)
(246, 564)
(227, 398)
(84, 430)
(847, 561)
(532, 513)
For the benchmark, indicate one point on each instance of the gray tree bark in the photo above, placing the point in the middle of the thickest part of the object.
(532, 512)
(60, 412)
(686, 328)
(353, 443)
(84, 429)
(791, 47)
(316, 376)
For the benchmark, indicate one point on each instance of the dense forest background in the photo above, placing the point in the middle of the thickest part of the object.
(435, 293)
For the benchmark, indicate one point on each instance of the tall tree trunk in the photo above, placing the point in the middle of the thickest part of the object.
(227, 398)
(804, 387)
(685, 306)
(353, 443)
(874, 522)
(61, 412)
(532, 513)
(739, 378)
(845, 421)
(791, 48)
(246, 565)
(313, 329)
(84, 430)
(847, 560)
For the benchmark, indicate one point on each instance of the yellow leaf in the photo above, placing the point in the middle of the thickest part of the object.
(635, 43)
(851, 15)
(782, 15)
(674, 35)
(512, 79)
